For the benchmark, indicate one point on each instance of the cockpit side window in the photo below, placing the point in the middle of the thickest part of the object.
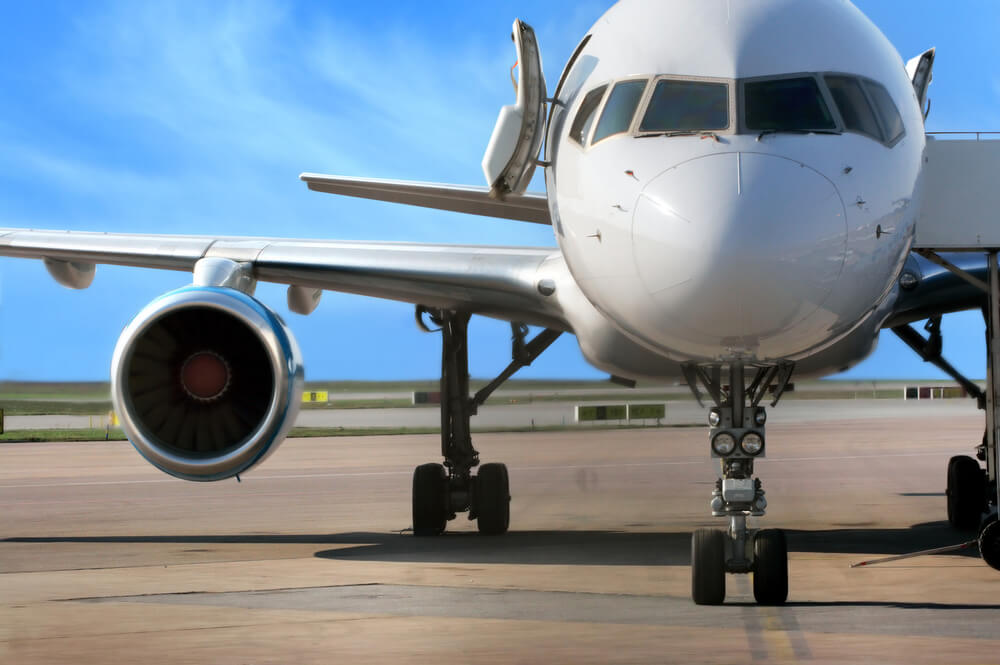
(585, 116)
(892, 122)
(619, 109)
(687, 106)
(853, 105)
(786, 104)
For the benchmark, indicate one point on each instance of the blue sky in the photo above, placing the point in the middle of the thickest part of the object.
(193, 117)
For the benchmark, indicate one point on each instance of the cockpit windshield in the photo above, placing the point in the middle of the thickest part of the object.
(803, 103)
(786, 104)
(686, 106)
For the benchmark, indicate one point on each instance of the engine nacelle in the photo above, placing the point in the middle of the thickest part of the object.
(206, 382)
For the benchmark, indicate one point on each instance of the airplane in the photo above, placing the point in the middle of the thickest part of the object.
(737, 200)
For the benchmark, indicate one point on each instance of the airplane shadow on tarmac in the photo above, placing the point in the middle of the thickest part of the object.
(609, 548)
(625, 548)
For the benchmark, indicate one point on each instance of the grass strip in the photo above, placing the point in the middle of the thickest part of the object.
(114, 434)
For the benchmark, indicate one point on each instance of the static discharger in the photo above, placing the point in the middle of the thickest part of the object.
(936, 550)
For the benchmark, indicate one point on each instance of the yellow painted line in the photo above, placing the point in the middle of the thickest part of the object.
(776, 635)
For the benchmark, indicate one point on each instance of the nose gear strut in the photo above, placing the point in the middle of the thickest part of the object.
(737, 439)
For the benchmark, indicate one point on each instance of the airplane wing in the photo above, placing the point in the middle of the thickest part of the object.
(933, 290)
(459, 198)
(501, 282)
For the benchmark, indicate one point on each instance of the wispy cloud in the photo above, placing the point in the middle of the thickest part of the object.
(205, 113)
(197, 117)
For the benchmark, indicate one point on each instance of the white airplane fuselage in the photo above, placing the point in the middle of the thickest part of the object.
(736, 243)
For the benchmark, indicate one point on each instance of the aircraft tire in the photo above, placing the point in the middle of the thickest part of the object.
(708, 567)
(989, 542)
(493, 499)
(966, 492)
(770, 576)
(430, 496)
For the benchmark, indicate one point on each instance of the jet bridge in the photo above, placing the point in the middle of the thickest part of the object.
(961, 208)
(961, 213)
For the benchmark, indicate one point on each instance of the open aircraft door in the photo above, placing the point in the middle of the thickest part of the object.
(513, 150)
(921, 70)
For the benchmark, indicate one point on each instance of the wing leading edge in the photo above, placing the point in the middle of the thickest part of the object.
(502, 282)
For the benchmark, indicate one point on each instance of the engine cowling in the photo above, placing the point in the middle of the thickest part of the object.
(205, 382)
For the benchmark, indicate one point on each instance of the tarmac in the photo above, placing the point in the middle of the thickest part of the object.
(308, 559)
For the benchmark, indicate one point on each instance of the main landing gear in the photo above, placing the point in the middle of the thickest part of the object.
(440, 491)
(737, 441)
(972, 492)
(967, 484)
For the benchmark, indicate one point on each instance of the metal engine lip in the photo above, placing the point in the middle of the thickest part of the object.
(286, 365)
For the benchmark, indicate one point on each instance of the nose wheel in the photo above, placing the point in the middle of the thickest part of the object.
(708, 567)
(770, 567)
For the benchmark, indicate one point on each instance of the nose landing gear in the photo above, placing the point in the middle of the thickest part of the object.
(737, 440)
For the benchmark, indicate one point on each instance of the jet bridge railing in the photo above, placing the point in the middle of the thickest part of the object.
(990, 136)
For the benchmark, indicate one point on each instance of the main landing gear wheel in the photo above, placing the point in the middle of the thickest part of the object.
(989, 542)
(770, 573)
(430, 499)
(708, 567)
(966, 492)
(493, 499)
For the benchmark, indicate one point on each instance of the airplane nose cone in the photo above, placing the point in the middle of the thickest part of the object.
(738, 249)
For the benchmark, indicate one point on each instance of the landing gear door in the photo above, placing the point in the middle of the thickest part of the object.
(511, 155)
(920, 70)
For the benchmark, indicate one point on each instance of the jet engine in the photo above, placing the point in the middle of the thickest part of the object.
(205, 382)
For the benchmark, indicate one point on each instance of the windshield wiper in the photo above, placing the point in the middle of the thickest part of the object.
(766, 132)
(683, 132)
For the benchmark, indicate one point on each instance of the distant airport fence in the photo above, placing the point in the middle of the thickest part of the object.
(426, 397)
(934, 392)
(589, 413)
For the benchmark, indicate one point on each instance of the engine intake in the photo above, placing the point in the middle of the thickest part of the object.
(205, 381)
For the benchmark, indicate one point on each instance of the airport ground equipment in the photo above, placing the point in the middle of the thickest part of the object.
(441, 491)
